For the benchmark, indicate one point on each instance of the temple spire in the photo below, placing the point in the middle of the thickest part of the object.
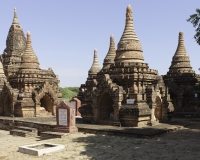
(15, 19)
(95, 68)
(29, 48)
(181, 60)
(109, 59)
(129, 32)
(29, 58)
(15, 46)
(181, 47)
(129, 48)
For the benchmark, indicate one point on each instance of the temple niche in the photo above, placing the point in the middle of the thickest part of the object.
(182, 82)
(26, 89)
(125, 91)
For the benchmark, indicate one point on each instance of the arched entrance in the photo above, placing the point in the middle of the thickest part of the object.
(158, 109)
(46, 105)
(7, 106)
(106, 108)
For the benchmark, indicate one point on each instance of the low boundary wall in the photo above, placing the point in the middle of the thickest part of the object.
(7, 124)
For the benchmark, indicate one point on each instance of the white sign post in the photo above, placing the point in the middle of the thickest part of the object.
(195, 95)
(130, 101)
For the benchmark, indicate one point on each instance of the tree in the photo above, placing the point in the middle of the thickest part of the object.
(69, 92)
(195, 20)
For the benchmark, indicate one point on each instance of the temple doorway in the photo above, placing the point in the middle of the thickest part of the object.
(7, 106)
(158, 109)
(46, 105)
(106, 108)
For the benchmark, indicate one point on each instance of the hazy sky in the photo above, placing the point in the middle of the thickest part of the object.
(65, 33)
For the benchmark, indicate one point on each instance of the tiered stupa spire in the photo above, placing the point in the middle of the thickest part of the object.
(16, 40)
(95, 68)
(129, 47)
(15, 46)
(15, 18)
(29, 59)
(109, 59)
(180, 60)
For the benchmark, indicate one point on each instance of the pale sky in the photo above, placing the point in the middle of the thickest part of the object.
(65, 33)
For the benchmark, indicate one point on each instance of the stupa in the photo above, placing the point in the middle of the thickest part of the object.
(26, 89)
(182, 80)
(15, 45)
(125, 91)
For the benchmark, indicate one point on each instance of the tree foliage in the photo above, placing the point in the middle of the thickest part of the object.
(69, 92)
(195, 20)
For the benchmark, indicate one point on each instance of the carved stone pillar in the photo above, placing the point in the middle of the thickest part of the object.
(153, 106)
(12, 109)
(168, 107)
(116, 107)
(164, 109)
(139, 97)
(135, 88)
(54, 110)
(37, 109)
(139, 87)
(153, 118)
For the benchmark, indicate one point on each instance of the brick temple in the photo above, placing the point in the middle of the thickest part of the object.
(123, 92)
(126, 92)
(26, 90)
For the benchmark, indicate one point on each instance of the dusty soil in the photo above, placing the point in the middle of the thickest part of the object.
(182, 144)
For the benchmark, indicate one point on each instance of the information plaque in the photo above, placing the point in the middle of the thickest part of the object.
(130, 101)
(62, 117)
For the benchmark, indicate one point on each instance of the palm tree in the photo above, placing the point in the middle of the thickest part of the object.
(195, 20)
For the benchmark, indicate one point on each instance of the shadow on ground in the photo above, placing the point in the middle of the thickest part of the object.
(178, 144)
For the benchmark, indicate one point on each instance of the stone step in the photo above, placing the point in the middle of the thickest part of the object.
(22, 133)
(49, 135)
(79, 119)
(49, 113)
(118, 124)
(43, 112)
(33, 130)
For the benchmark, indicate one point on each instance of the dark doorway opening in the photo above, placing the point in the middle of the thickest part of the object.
(46, 105)
(106, 108)
(7, 106)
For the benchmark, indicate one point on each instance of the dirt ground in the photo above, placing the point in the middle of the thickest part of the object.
(182, 144)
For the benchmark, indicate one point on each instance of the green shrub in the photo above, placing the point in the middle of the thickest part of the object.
(69, 92)
(74, 89)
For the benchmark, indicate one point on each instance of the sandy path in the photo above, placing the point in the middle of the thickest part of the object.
(183, 144)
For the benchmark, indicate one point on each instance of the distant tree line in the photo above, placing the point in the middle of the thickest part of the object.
(69, 92)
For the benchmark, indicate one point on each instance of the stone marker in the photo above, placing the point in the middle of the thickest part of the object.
(65, 117)
(76, 103)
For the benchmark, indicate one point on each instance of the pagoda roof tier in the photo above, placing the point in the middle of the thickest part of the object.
(129, 48)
